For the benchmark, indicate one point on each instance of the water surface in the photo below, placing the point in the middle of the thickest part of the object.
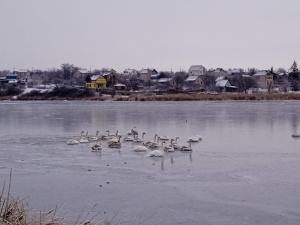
(245, 171)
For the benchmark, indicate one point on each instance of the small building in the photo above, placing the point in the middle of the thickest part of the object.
(265, 79)
(224, 85)
(12, 79)
(168, 83)
(218, 72)
(145, 74)
(194, 81)
(110, 77)
(120, 86)
(234, 72)
(95, 82)
(23, 74)
(130, 73)
(197, 70)
(82, 73)
(2, 78)
(155, 77)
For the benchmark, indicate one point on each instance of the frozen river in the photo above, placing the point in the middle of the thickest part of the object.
(245, 171)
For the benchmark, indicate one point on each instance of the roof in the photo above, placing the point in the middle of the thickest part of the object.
(164, 80)
(231, 71)
(21, 70)
(130, 71)
(219, 70)
(119, 85)
(282, 74)
(191, 78)
(144, 70)
(95, 77)
(83, 71)
(223, 83)
(155, 76)
(106, 74)
(261, 73)
(220, 78)
(196, 67)
(11, 77)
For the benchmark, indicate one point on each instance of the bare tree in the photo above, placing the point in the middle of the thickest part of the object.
(244, 83)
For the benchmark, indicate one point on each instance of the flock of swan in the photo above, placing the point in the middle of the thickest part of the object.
(158, 147)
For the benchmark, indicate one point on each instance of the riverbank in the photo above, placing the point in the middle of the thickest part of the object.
(169, 97)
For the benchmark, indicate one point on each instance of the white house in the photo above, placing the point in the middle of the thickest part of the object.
(23, 74)
(197, 70)
(82, 73)
(145, 74)
(170, 82)
(130, 73)
(194, 81)
(224, 84)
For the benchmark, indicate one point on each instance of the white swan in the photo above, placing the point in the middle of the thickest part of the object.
(73, 141)
(137, 139)
(198, 136)
(95, 138)
(114, 139)
(170, 147)
(157, 153)
(83, 139)
(105, 137)
(115, 144)
(140, 148)
(148, 143)
(155, 144)
(113, 134)
(187, 148)
(193, 139)
(164, 138)
(128, 139)
(174, 143)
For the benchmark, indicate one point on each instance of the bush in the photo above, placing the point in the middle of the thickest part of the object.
(11, 90)
(70, 92)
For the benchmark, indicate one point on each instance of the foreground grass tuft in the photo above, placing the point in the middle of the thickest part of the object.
(17, 212)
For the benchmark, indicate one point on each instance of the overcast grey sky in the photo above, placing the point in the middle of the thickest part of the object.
(138, 34)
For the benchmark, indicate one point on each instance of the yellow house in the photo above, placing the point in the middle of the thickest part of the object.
(96, 82)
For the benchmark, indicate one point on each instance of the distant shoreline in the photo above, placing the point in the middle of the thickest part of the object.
(169, 97)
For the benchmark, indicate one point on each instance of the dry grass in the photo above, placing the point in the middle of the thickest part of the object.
(175, 97)
(211, 97)
(42, 98)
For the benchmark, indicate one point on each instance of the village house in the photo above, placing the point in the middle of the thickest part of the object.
(168, 83)
(194, 82)
(110, 76)
(130, 73)
(197, 70)
(223, 84)
(145, 74)
(264, 79)
(95, 82)
(23, 74)
(155, 77)
(218, 72)
(12, 79)
(120, 86)
(82, 73)
(2, 78)
(234, 72)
